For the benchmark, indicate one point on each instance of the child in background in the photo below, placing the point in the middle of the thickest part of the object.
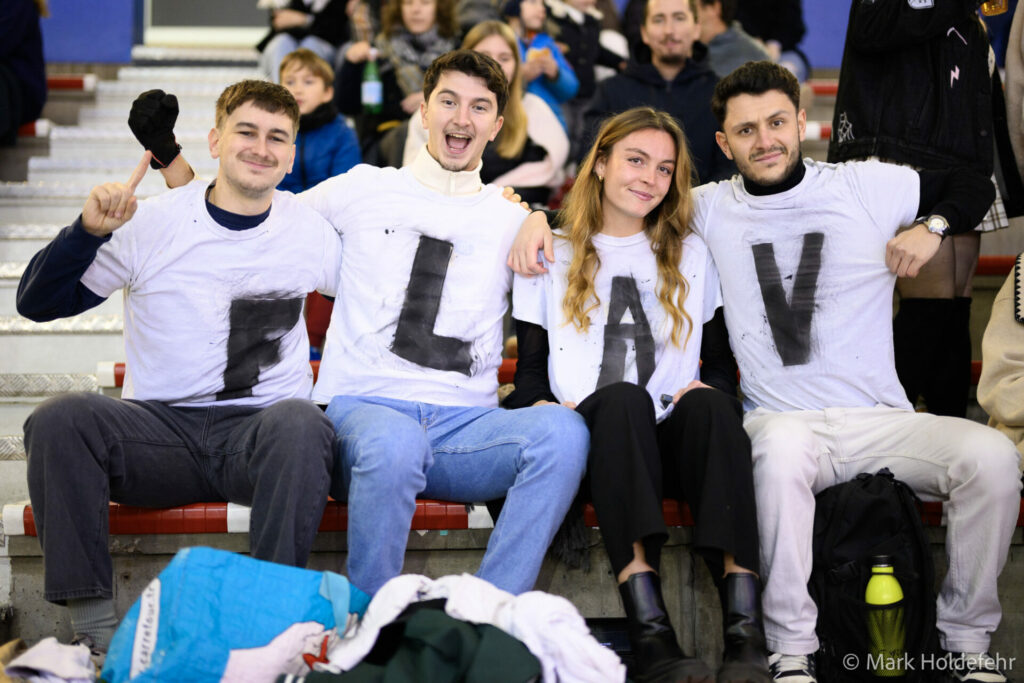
(544, 70)
(324, 147)
(579, 30)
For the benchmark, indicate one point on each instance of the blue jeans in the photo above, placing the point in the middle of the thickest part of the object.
(390, 451)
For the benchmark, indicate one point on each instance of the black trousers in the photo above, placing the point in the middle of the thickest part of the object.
(85, 450)
(699, 454)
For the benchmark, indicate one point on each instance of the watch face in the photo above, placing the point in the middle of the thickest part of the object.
(937, 225)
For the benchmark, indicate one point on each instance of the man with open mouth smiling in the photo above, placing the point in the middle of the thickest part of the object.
(410, 364)
(462, 120)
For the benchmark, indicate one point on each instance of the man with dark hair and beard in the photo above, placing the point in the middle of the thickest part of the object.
(677, 80)
(807, 255)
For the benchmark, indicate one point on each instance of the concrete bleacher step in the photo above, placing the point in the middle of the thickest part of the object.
(193, 56)
(20, 393)
(20, 242)
(70, 169)
(112, 306)
(117, 139)
(108, 114)
(13, 414)
(70, 345)
(57, 201)
(12, 448)
(191, 96)
(150, 77)
(66, 171)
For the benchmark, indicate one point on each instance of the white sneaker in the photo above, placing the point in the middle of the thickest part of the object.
(791, 668)
(976, 667)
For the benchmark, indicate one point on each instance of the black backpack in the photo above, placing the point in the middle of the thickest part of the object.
(871, 515)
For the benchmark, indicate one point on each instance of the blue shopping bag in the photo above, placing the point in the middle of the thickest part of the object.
(208, 602)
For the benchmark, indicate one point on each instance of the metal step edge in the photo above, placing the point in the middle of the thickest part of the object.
(40, 385)
(30, 231)
(12, 448)
(82, 324)
(12, 270)
(58, 189)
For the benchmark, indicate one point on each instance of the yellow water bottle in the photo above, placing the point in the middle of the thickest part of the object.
(884, 599)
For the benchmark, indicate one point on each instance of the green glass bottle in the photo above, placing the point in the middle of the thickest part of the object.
(886, 628)
(372, 93)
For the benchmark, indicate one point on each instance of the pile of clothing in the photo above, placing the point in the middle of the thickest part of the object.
(212, 615)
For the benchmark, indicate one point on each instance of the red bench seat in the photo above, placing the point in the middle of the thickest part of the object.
(432, 515)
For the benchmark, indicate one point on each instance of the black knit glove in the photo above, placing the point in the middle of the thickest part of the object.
(152, 121)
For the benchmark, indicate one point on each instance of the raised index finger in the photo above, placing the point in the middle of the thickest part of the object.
(139, 172)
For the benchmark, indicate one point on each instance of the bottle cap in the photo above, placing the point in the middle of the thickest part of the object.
(881, 561)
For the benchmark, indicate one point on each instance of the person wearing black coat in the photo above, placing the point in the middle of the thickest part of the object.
(678, 80)
(22, 70)
(916, 88)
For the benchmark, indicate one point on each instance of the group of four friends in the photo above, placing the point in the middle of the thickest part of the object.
(625, 381)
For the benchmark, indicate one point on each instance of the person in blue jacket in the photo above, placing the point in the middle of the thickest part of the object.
(545, 71)
(325, 146)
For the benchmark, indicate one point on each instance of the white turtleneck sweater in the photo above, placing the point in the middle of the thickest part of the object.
(432, 333)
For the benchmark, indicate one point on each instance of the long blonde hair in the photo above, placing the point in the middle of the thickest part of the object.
(512, 136)
(665, 226)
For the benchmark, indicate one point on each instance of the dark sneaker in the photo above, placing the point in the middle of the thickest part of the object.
(976, 667)
(791, 668)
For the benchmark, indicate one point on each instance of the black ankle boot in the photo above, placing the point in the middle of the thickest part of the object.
(656, 651)
(745, 657)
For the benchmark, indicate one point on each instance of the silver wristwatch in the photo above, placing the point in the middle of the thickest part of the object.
(936, 224)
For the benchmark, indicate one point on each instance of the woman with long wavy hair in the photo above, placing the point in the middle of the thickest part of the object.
(617, 329)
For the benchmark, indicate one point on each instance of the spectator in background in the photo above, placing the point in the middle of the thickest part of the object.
(677, 80)
(531, 149)
(22, 70)
(779, 24)
(1000, 389)
(729, 46)
(413, 34)
(916, 88)
(999, 27)
(544, 70)
(1015, 88)
(579, 30)
(318, 25)
(324, 147)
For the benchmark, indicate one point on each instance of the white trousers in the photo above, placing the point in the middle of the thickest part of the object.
(971, 467)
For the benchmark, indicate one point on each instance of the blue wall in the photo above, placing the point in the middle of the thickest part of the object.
(98, 31)
(826, 32)
(104, 31)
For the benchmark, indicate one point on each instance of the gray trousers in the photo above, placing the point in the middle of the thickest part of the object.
(85, 450)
